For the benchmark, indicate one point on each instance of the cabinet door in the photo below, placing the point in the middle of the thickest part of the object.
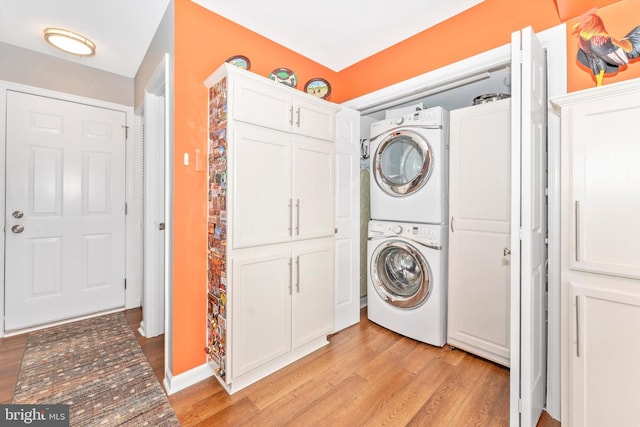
(261, 183)
(480, 230)
(260, 307)
(604, 357)
(313, 188)
(605, 193)
(262, 102)
(313, 303)
(315, 119)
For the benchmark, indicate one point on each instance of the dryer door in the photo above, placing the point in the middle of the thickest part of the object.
(402, 163)
(400, 274)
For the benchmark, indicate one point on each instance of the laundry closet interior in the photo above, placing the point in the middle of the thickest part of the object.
(483, 294)
(476, 170)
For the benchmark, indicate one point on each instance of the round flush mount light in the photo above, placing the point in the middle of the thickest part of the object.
(70, 42)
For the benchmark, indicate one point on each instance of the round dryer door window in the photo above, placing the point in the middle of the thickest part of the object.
(401, 274)
(402, 163)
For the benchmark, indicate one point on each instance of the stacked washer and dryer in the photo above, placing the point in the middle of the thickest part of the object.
(407, 240)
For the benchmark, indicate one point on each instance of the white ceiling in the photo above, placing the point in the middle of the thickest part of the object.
(334, 33)
(337, 33)
(121, 29)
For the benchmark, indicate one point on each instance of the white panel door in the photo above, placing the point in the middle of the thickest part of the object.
(261, 182)
(65, 202)
(261, 102)
(261, 315)
(604, 176)
(313, 192)
(604, 354)
(479, 239)
(347, 264)
(529, 228)
(314, 118)
(312, 306)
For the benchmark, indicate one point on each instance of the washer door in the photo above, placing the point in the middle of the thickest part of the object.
(403, 162)
(401, 274)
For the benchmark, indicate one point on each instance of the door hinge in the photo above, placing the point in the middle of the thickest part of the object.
(126, 208)
(125, 283)
(520, 233)
(126, 132)
(520, 405)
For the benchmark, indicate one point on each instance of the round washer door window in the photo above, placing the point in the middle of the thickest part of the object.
(402, 163)
(401, 274)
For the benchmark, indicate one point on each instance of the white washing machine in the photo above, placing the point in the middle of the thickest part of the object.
(407, 280)
(409, 167)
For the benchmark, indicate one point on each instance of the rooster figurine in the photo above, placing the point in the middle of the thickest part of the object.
(599, 51)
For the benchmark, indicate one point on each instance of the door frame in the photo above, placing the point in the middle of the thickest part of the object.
(156, 129)
(132, 271)
(466, 70)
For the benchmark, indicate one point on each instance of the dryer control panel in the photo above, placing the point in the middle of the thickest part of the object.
(430, 117)
(427, 234)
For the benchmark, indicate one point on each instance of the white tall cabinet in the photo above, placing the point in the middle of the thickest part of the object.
(270, 225)
(480, 179)
(600, 257)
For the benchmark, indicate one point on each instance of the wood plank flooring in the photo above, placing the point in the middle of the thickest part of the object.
(366, 376)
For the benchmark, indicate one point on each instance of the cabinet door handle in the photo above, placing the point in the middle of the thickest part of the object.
(298, 116)
(577, 326)
(577, 228)
(291, 115)
(290, 217)
(298, 273)
(297, 217)
(290, 278)
(452, 224)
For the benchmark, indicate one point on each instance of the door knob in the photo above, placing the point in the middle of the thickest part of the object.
(17, 214)
(17, 228)
(506, 251)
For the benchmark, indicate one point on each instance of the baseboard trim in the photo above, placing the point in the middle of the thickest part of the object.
(141, 329)
(173, 384)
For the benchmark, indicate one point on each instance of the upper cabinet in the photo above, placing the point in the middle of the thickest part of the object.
(287, 110)
(601, 151)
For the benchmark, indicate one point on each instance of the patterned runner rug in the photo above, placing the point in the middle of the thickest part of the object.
(98, 368)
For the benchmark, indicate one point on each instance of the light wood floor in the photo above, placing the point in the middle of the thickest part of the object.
(367, 375)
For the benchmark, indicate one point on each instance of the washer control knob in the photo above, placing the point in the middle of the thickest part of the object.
(397, 229)
(399, 120)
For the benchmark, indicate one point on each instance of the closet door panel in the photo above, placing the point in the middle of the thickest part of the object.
(313, 183)
(261, 179)
(479, 235)
(606, 187)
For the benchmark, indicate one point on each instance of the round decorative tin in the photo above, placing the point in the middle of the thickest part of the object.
(240, 61)
(318, 87)
(284, 76)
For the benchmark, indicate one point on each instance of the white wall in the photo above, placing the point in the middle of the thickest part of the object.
(163, 42)
(36, 69)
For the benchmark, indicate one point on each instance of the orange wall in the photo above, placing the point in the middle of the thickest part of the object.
(203, 40)
(481, 28)
(619, 18)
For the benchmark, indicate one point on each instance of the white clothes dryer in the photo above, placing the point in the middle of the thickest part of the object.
(409, 167)
(407, 280)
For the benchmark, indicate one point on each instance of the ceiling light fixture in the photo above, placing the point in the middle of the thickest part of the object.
(69, 41)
